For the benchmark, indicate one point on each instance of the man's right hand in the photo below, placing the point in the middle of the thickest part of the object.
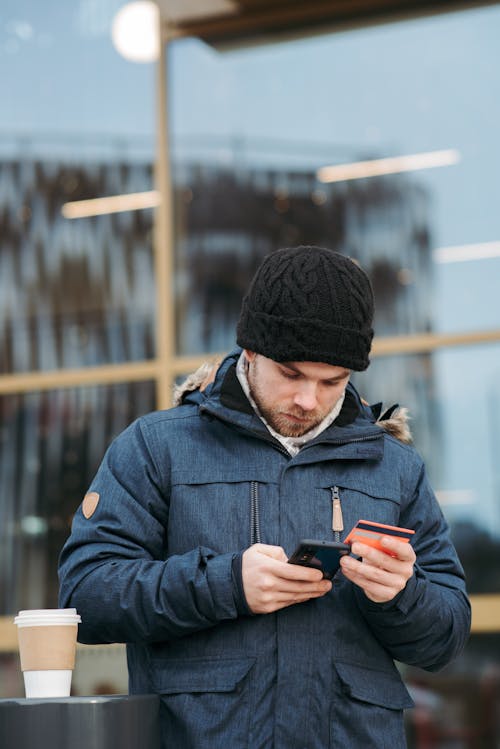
(271, 584)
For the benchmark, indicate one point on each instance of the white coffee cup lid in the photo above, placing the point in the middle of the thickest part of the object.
(27, 621)
(46, 612)
(35, 617)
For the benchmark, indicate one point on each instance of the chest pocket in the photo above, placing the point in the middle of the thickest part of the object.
(218, 507)
(347, 500)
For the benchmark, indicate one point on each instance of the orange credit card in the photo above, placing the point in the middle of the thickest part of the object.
(371, 533)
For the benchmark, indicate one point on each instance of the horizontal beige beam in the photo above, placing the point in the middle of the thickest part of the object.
(485, 618)
(427, 342)
(109, 374)
(152, 369)
(30, 382)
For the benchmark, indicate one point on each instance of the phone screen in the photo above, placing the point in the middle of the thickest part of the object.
(322, 555)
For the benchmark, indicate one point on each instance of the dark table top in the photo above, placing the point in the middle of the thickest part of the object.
(96, 721)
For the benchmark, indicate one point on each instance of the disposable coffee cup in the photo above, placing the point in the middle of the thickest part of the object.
(47, 650)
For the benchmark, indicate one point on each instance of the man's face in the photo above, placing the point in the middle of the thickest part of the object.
(294, 397)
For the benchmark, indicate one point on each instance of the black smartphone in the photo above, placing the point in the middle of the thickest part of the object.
(323, 555)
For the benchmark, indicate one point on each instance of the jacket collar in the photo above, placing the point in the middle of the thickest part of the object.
(225, 399)
(215, 388)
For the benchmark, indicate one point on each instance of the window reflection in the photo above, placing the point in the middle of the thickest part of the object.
(51, 444)
(227, 221)
(73, 293)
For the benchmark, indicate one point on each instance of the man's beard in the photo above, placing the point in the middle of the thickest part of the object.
(282, 421)
(282, 418)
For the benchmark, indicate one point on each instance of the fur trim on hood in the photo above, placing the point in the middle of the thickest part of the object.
(204, 375)
(394, 421)
(397, 425)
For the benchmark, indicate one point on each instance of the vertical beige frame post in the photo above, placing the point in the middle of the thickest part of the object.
(163, 244)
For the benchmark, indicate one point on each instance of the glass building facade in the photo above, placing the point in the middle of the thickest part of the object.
(250, 133)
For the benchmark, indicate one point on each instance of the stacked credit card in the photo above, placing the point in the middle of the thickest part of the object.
(371, 533)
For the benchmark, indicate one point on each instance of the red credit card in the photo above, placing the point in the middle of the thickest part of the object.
(370, 533)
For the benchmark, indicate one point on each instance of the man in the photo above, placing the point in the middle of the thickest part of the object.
(180, 548)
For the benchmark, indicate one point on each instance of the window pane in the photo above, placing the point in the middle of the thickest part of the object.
(73, 292)
(251, 127)
(51, 444)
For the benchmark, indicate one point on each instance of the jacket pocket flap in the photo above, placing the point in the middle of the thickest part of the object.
(200, 474)
(388, 488)
(199, 674)
(383, 688)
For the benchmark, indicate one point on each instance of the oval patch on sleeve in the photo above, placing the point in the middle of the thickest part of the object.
(89, 504)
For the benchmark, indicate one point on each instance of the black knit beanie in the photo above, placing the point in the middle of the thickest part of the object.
(309, 304)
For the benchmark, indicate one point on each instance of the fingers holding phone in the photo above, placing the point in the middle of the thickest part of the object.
(270, 583)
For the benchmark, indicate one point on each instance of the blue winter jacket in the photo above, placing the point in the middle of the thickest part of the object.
(158, 566)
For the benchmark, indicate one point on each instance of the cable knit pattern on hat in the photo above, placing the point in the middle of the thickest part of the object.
(309, 304)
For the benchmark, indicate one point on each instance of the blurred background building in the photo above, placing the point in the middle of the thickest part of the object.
(140, 186)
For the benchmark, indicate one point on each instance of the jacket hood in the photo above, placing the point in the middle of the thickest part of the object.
(196, 381)
(394, 420)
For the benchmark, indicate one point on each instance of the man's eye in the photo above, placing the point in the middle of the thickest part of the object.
(289, 375)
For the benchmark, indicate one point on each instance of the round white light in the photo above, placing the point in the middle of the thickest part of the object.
(135, 31)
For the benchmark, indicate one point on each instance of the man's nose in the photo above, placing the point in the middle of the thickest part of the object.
(306, 396)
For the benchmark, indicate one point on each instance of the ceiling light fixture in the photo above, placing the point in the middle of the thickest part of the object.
(390, 165)
(134, 201)
(135, 31)
(464, 252)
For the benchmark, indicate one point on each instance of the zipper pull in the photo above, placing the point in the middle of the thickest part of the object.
(337, 520)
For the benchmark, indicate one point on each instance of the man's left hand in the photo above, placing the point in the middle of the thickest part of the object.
(380, 575)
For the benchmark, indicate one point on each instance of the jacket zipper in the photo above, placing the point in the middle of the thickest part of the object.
(337, 519)
(254, 513)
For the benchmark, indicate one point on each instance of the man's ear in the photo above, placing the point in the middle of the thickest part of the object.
(250, 355)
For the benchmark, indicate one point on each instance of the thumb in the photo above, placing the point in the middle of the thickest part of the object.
(275, 552)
